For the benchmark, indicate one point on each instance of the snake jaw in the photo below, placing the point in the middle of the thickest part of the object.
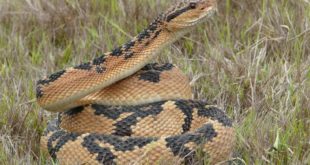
(201, 19)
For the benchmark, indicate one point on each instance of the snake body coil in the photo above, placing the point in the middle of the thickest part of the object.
(118, 109)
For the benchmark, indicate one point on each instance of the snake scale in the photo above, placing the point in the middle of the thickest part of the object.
(121, 109)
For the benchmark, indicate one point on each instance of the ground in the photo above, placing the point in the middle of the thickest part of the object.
(252, 59)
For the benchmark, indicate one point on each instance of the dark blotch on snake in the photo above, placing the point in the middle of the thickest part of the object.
(151, 72)
(84, 66)
(128, 45)
(144, 34)
(210, 112)
(99, 60)
(151, 76)
(111, 112)
(53, 77)
(215, 114)
(128, 55)
(100, 69)
(123, 127)
(62, 138)
(104, 155)
(187, 111)
(74, 111)
(200, 136)
(39, 92)
(158, 67)
(117, 52)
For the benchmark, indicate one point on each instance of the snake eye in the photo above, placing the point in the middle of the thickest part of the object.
(192, 5)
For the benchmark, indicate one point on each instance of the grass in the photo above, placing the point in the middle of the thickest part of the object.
(252, 59)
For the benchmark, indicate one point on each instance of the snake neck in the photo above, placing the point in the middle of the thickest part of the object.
(149, 42)
(116, 65)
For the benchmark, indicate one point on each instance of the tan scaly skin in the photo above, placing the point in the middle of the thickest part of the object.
(67, 86)
(118, 109)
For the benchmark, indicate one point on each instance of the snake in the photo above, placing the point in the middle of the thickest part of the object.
(120, 108)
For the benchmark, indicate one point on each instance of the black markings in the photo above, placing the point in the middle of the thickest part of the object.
(211, 112)
(158, 67)
(108, 111)
(128, 55)
(51, 139)
(53, 77)
(177, 147)
(43, 82)
(151, 72)
(99, 60)
(178, 12)
(74, 111)
(188, 112)
(84, 66)
(176, 143)
(56, 75)
(207, 132)
(151, 76)
(200, 136)
(62, 138)
(144, 34)
(117, 52)
(157, 33)
(122, 144)
(100, 69)
(153, 26)
(128, 45)
(156, 24)
(127, 144)
(215, 114)
(105, 156)
(58, 120)
(123, 127)
(39, 92)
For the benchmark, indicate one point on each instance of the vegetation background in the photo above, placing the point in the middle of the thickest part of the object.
(252, 59)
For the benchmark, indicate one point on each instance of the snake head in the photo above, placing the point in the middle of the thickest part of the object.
(188, 13)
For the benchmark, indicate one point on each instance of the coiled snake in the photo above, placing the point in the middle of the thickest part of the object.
(119, 109)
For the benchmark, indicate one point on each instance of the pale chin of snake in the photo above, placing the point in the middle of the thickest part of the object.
(121, 109)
